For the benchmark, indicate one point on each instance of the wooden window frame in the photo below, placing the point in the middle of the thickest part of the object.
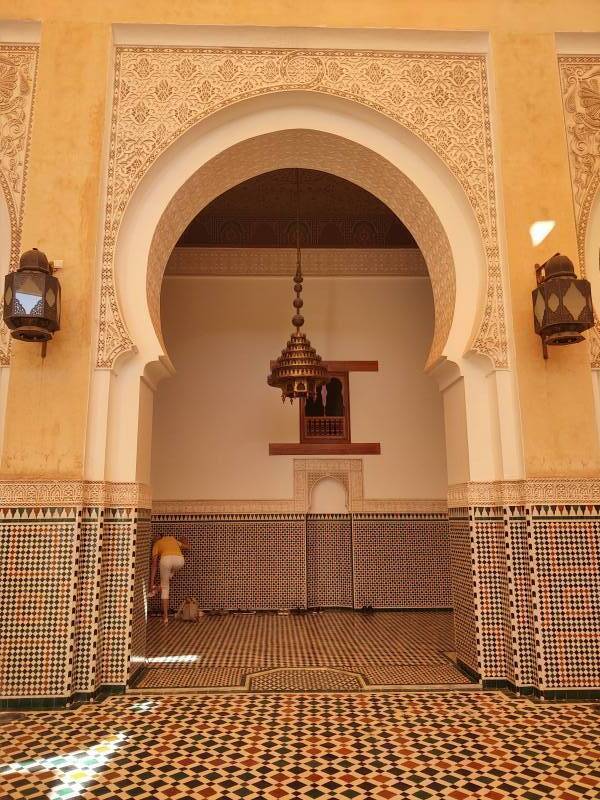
(344, 377)
(330, 445)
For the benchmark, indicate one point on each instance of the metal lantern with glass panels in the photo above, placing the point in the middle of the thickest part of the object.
(562, 303)
(32, 299)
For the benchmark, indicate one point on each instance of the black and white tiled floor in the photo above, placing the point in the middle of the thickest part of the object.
(388, 746)
(385, 648)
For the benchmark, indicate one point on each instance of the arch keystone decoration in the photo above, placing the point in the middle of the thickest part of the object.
(160, 93)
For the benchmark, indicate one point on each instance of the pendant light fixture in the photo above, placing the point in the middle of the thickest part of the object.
(299, 368)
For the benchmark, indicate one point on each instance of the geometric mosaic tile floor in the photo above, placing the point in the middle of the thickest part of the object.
(387, 746)
(339, 650)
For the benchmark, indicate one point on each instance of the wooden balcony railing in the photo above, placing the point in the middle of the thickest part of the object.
(324, 427)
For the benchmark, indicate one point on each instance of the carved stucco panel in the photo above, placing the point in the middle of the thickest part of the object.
(18, 69)
(580, 80)
(549, 491)
(160, 93)
(309, 471)
(275, 261)
(29, 493)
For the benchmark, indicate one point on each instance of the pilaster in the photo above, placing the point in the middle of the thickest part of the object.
(536, 584)
(45, 425)
(75, 558)
(536, 185)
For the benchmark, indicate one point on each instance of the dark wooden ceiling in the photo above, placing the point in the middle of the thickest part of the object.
(261, 212)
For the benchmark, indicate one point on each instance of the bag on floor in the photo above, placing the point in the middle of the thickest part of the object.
(189, 611)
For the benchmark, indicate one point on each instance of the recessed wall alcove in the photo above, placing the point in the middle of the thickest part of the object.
(399, 527)
(226, 306)
(329, 496)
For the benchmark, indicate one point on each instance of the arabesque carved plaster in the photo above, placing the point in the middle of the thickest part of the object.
(161, 92)
(18, 68)
(281, 261)
(40, 493)
(550, 491)
(336, 155)
(580, 79)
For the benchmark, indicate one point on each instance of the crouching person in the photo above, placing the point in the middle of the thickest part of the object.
(167, 558)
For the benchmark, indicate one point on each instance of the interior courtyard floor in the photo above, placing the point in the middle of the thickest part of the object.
(335, 650)
(308, 746)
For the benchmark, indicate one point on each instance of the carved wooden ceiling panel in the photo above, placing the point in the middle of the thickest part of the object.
(261, 212)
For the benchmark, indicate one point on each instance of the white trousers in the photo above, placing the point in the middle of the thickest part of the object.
(168, 566)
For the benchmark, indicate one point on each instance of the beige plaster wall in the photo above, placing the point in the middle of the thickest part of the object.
(519, 15)
(47, 399)
(536, 184)
(214, 419)
(47, 403)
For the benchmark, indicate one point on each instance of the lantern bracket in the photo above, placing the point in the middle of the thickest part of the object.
(539, 278)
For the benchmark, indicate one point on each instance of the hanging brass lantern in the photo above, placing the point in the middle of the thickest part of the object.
(299, 369)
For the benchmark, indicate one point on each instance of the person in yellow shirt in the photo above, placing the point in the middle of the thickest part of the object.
(167, 558)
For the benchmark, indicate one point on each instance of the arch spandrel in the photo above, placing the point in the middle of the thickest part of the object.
(18, 69)
(580, 82)
(160, 93)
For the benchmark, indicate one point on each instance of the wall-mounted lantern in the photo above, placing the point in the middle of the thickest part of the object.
(32, 299)
(562, 303)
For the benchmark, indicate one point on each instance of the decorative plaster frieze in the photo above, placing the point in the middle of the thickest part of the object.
(261, 507)
(18, 70)
(534, 491)
(580, 80)
(36, 493)
(275, 261)
(161, 92)
(244, 507)
(182, 507)
(400, 506)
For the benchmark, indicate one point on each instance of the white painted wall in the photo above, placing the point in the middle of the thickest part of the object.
(214, 419)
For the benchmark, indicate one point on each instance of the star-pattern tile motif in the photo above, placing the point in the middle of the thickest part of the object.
(417, 746)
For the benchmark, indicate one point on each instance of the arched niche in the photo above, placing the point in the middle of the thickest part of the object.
(328, 496)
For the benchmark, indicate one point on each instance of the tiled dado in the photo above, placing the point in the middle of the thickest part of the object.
(401, 560)
(279, 561)
(70, 614)
(535, 582)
